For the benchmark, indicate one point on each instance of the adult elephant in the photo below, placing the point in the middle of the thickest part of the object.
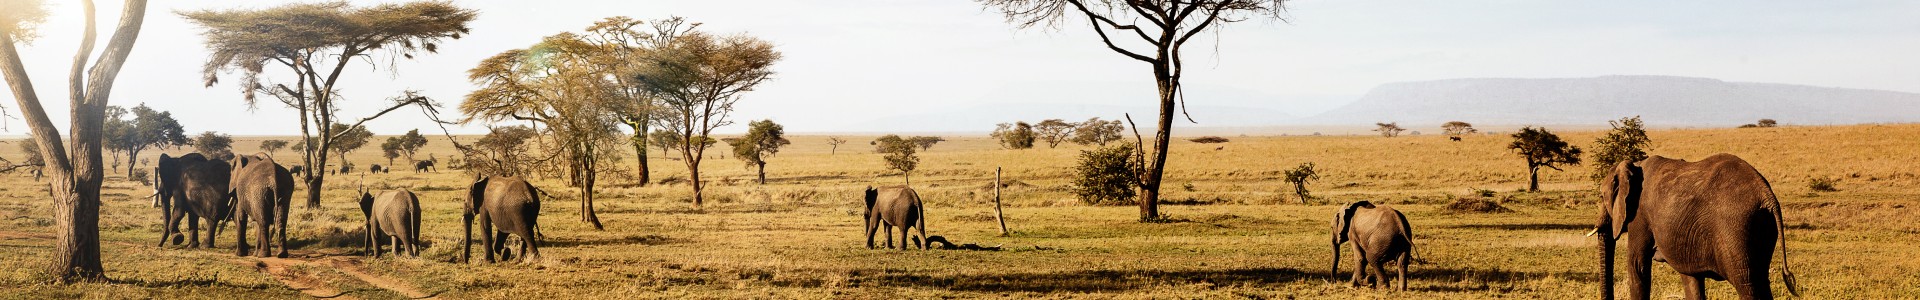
(194, 188)
(508, 203)
(1712, 219)
(425, 165)
(262, 190)
(1380, 234)
(393, 216)
(895, 206)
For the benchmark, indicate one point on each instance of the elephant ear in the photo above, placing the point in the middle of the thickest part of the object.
(475, 193)
(872, 195)
(1343, 221)
(1626, 187)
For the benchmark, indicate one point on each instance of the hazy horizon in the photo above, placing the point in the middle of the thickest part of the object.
(875, 60)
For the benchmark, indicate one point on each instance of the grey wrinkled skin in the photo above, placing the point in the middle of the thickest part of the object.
(194, 188)
(393, 216)
(261, 191)
(1380, 234)
(503, 205)
(1713, 219)
(895, 206)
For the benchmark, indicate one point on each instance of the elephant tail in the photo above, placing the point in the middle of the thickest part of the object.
(1780, 228)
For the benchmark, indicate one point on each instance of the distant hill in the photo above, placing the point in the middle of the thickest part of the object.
(1661, 100)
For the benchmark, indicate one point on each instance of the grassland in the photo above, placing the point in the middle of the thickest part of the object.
(1238, 236)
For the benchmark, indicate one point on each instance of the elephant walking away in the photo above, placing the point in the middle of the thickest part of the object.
(1380, 234)
(194, 188)
(895, 206)
(1712, 219)
(425, 165)
(503, 205)
(376, 169)
(393, 216)
(262, 191)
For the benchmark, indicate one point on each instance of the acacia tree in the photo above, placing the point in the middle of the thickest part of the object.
(390, 149)
(899, 155)
(1169, 25)
(1053, 131)
(76, 171)
(213, 145)
(1389, 129)
(1627, 142)
(271, 146)
(620, 46)
(315, 43)
(1457, 129)
(410, 143)
(1542, 149)
(1097, 132)
(147, 129)
(835, 142)
(558, 84)
(1016, 135)
(764, 139)
(697, 78)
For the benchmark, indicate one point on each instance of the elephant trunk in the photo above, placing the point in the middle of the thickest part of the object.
(1335, 273)
(1607, 244)
(466, 239)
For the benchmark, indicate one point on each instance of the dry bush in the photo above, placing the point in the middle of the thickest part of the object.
(1208, 140)
(1474, 205)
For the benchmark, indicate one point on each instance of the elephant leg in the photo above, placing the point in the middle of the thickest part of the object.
(1360, 267)
(1753, 282)
(281, 217)
(396, 246)
(172, 227)
(500, 245)
(923, 237)
(1696, 287)
(1639, 265)
(1380, 275)
(904, 242)
(193, 231)
(487, 234)
(240, 234)
(1404, 257)
(869, 231)
(888, 229)
(378, 237)
(265, 235)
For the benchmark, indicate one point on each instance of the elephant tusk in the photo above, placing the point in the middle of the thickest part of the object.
(1595, 231)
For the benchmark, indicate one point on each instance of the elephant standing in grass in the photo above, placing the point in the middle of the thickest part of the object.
(1712, 219)
(192, 187)
(509, 203)
(895, 206)
(1380, 234)
(261, 190)
(394, 216)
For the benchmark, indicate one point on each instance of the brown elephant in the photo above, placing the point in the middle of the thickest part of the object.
(394, 216)
(261, 191)
(1380, 234)
(509, 203)
(192, 187)
(1712, 219)
(895, 206)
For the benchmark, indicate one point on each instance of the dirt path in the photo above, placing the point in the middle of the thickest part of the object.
(305, 283)
(351, 267)
(319, 288)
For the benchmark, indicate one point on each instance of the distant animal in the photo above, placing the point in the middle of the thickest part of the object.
(393, 216)
(1713, 219)
(1219, 148)
(426, 165)
(375, 169)
(262, 191)
(895, 206)
(192, 187)
(297, 169)
(509, 203)
(1454, 138)
(1380, 234)
(345, 168)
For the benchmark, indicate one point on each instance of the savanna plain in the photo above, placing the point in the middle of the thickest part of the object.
(1235, 230)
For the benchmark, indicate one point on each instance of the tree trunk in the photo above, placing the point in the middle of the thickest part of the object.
(1156, 167)
(997, 215)
(1533, 178)
(131, 154)
(640, 155)
(586, 192)
(763, 173)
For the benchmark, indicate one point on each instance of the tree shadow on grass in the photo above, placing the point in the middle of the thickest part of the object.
(648, 240)
(1521, 226)
(188, 283)
(1478, 280)
(1085, 281)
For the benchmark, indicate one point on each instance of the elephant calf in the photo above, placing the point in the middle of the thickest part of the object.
(394, 216)
(1379, 234)
(895, 206)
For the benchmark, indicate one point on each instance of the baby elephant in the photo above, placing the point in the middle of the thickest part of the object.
(394, 216)
(1379, 234)
(896, 206)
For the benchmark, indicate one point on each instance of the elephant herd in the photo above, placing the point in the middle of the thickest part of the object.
(1716, 218)
(256, 192)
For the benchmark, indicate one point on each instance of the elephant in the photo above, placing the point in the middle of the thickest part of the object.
(425, 165)
(296, 169)
(509, 203)
(1380, 234)
(345, 168)
(1716, 218)
(375, 169)
(261, 191)
(194, 188)
(895, 206)
(395, 215)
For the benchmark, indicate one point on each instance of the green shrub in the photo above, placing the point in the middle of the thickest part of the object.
(1107, 175)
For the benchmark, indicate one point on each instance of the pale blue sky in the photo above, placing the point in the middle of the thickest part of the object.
(851, 62)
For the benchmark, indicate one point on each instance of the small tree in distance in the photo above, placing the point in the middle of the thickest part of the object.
(1389, 129)
(1097, 132)
(1767, 123)
(1299, 176)
(899, 155)
(835, 142)
(925, 142)
(1542, 149)
(213, 145)
(1457, 129)
(764, 139)
(1627, 142)
(1016, 135)
(1053, 131)
(271, 146)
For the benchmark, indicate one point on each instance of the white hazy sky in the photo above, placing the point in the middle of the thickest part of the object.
(853, 61)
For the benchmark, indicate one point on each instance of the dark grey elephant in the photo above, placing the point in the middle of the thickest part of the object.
(193, 188)
(508, 203)
(393, 216)
(1712, 219)
(1380, 234)
(262, 191)
(426, 165)
(895, 206)
(376, 169)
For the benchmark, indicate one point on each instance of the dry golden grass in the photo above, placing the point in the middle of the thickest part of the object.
(798, 236)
